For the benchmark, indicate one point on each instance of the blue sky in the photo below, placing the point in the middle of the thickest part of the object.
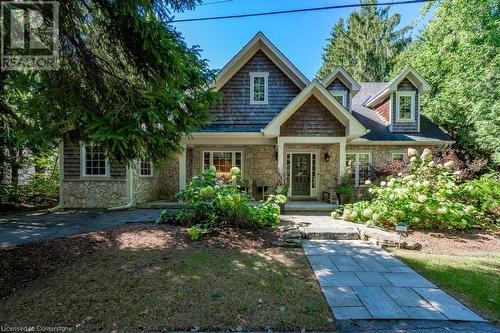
(300, 36)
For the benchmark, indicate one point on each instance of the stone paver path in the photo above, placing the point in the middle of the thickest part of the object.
(362, 281)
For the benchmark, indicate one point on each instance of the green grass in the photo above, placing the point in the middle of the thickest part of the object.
(474, 279)
(176, 289)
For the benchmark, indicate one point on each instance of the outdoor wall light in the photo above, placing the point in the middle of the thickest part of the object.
(327, 157)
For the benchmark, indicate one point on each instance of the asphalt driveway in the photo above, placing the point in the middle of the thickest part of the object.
(23, 228)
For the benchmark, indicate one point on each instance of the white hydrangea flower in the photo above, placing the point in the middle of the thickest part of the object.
(383, 183)
(368, 182)
(413, 159)
(368, 212)
(422, 198)
(426, 183)
(449, 164)
(426, 155)
(412, 152)
(416, 219)
(442, 210)
(431, 164)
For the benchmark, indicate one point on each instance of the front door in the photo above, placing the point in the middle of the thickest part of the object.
(301, 174)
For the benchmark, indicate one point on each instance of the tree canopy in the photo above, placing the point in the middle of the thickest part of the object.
(127, 81)
(366, 44)
(458, 54)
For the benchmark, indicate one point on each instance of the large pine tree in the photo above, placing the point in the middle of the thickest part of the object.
(366, 44)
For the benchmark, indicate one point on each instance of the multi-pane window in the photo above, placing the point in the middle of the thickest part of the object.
(406, 106)
(145, 168)
(340, 96)
(223, 161)
(258, 88)
(361, 166)
(94, 161)
(397, 156)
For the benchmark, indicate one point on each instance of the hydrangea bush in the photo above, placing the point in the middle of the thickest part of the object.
(210, 204)
(424, 197)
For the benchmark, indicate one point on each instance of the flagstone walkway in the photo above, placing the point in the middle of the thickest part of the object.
(362, 281)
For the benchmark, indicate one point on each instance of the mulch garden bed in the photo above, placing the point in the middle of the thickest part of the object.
(456, 241)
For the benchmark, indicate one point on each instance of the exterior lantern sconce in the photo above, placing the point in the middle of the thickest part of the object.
(327, 157)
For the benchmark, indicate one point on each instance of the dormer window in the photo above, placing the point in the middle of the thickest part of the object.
(258, 87)
(405, 106)
(340, 96)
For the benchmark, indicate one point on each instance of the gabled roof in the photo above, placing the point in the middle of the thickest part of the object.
(411, 74)
(343, 76)
(353, 127)
(260, 42)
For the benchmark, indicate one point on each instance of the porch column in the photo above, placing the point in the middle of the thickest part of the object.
(281, 149)
(182, 168)
(341, 158)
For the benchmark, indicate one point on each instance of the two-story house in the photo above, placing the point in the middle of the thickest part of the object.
(271, 121)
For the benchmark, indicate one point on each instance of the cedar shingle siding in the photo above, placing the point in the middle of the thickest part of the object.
(337, 85)
(72, 163)
(234, 112)
(312, 119)
(383, 109)
(405, 126)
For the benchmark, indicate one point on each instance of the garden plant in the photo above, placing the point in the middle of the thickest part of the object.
(210, 204)
(427, 196)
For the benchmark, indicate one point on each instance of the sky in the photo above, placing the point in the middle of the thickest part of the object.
(300, 36)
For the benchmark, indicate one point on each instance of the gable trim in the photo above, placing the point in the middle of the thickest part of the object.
(353, 127)
(344, 77)
(259, 42)
(392, 86)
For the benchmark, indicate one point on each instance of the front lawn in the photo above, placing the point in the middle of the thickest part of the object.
(153, 278)
(474, 278)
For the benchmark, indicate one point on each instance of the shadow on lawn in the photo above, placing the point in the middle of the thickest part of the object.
(154, 278)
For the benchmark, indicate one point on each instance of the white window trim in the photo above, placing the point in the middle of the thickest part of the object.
(253, 75)
(139, 169)
(411, 94)
(83, 169)
(233, 158)
(397, 153)
(356, 164)
(342, 93)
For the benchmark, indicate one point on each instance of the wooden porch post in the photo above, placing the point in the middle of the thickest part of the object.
(342, 160)
(281, 148)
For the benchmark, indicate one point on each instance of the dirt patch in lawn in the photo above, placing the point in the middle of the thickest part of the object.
(456, 242)
(153, 278)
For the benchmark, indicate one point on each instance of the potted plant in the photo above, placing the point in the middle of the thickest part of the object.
(345, 188)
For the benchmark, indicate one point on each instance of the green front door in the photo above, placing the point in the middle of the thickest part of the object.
(301, 174)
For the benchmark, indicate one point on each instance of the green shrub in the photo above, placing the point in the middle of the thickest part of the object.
(196, 232)
(425, 197)
(214, 205)
(484, 195)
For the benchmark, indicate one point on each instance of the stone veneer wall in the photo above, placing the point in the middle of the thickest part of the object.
(166, 180)
(94, 193)
(383, 154)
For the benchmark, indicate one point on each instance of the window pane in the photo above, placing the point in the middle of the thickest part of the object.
(223, 162)
(313, 171)
(237, 159)
(145, 168)
(364, 168)
(339, 98)
(398, 156)
(288, 164)
(405, 107)
(206, 160)
(95, 161)
(259, 88)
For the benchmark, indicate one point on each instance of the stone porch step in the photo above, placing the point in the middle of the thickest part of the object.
(328, 233)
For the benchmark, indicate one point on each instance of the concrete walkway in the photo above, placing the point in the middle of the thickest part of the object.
(362, 281)
(23, 228)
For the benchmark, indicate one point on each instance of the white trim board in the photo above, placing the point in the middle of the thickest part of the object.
(343, 76)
